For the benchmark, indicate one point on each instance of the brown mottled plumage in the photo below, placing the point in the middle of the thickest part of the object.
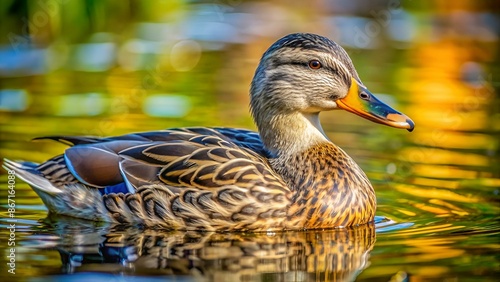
(343, 197)
(289, 176)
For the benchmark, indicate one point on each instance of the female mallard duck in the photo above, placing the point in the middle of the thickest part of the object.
(287, 176)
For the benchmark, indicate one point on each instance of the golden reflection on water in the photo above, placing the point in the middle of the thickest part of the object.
(451, 110)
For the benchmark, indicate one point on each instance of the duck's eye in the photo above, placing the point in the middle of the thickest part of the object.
(314, 64)
(364, 96)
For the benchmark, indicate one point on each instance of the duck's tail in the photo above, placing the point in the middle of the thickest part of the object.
(75, 200)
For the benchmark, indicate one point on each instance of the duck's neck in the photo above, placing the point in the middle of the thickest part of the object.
(289, 134)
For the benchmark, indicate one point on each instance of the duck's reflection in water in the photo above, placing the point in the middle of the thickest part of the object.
(327, 255)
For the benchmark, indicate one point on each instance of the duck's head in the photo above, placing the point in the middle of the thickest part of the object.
(305, 74)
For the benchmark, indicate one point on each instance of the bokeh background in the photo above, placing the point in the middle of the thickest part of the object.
(87, 67)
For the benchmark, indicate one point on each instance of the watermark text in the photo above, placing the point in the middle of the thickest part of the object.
(11, 215)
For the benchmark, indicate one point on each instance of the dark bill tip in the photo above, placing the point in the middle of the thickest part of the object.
(411, 123)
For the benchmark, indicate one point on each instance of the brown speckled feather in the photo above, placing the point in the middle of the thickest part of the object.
(203, 183)
(185, 180)
(324, 198)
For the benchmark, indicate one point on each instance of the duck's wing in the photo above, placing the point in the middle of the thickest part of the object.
(179, 177)
(200, 184)
(244, 138)
(202, 161)
(94, 161)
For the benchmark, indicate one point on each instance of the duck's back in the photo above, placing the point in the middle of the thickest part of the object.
(188, 178)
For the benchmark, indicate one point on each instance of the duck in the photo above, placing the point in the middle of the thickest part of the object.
(286, 176)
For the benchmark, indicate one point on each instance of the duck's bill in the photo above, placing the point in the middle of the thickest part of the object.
(363, 103)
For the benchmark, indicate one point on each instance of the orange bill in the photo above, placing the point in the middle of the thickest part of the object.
(363, 103)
